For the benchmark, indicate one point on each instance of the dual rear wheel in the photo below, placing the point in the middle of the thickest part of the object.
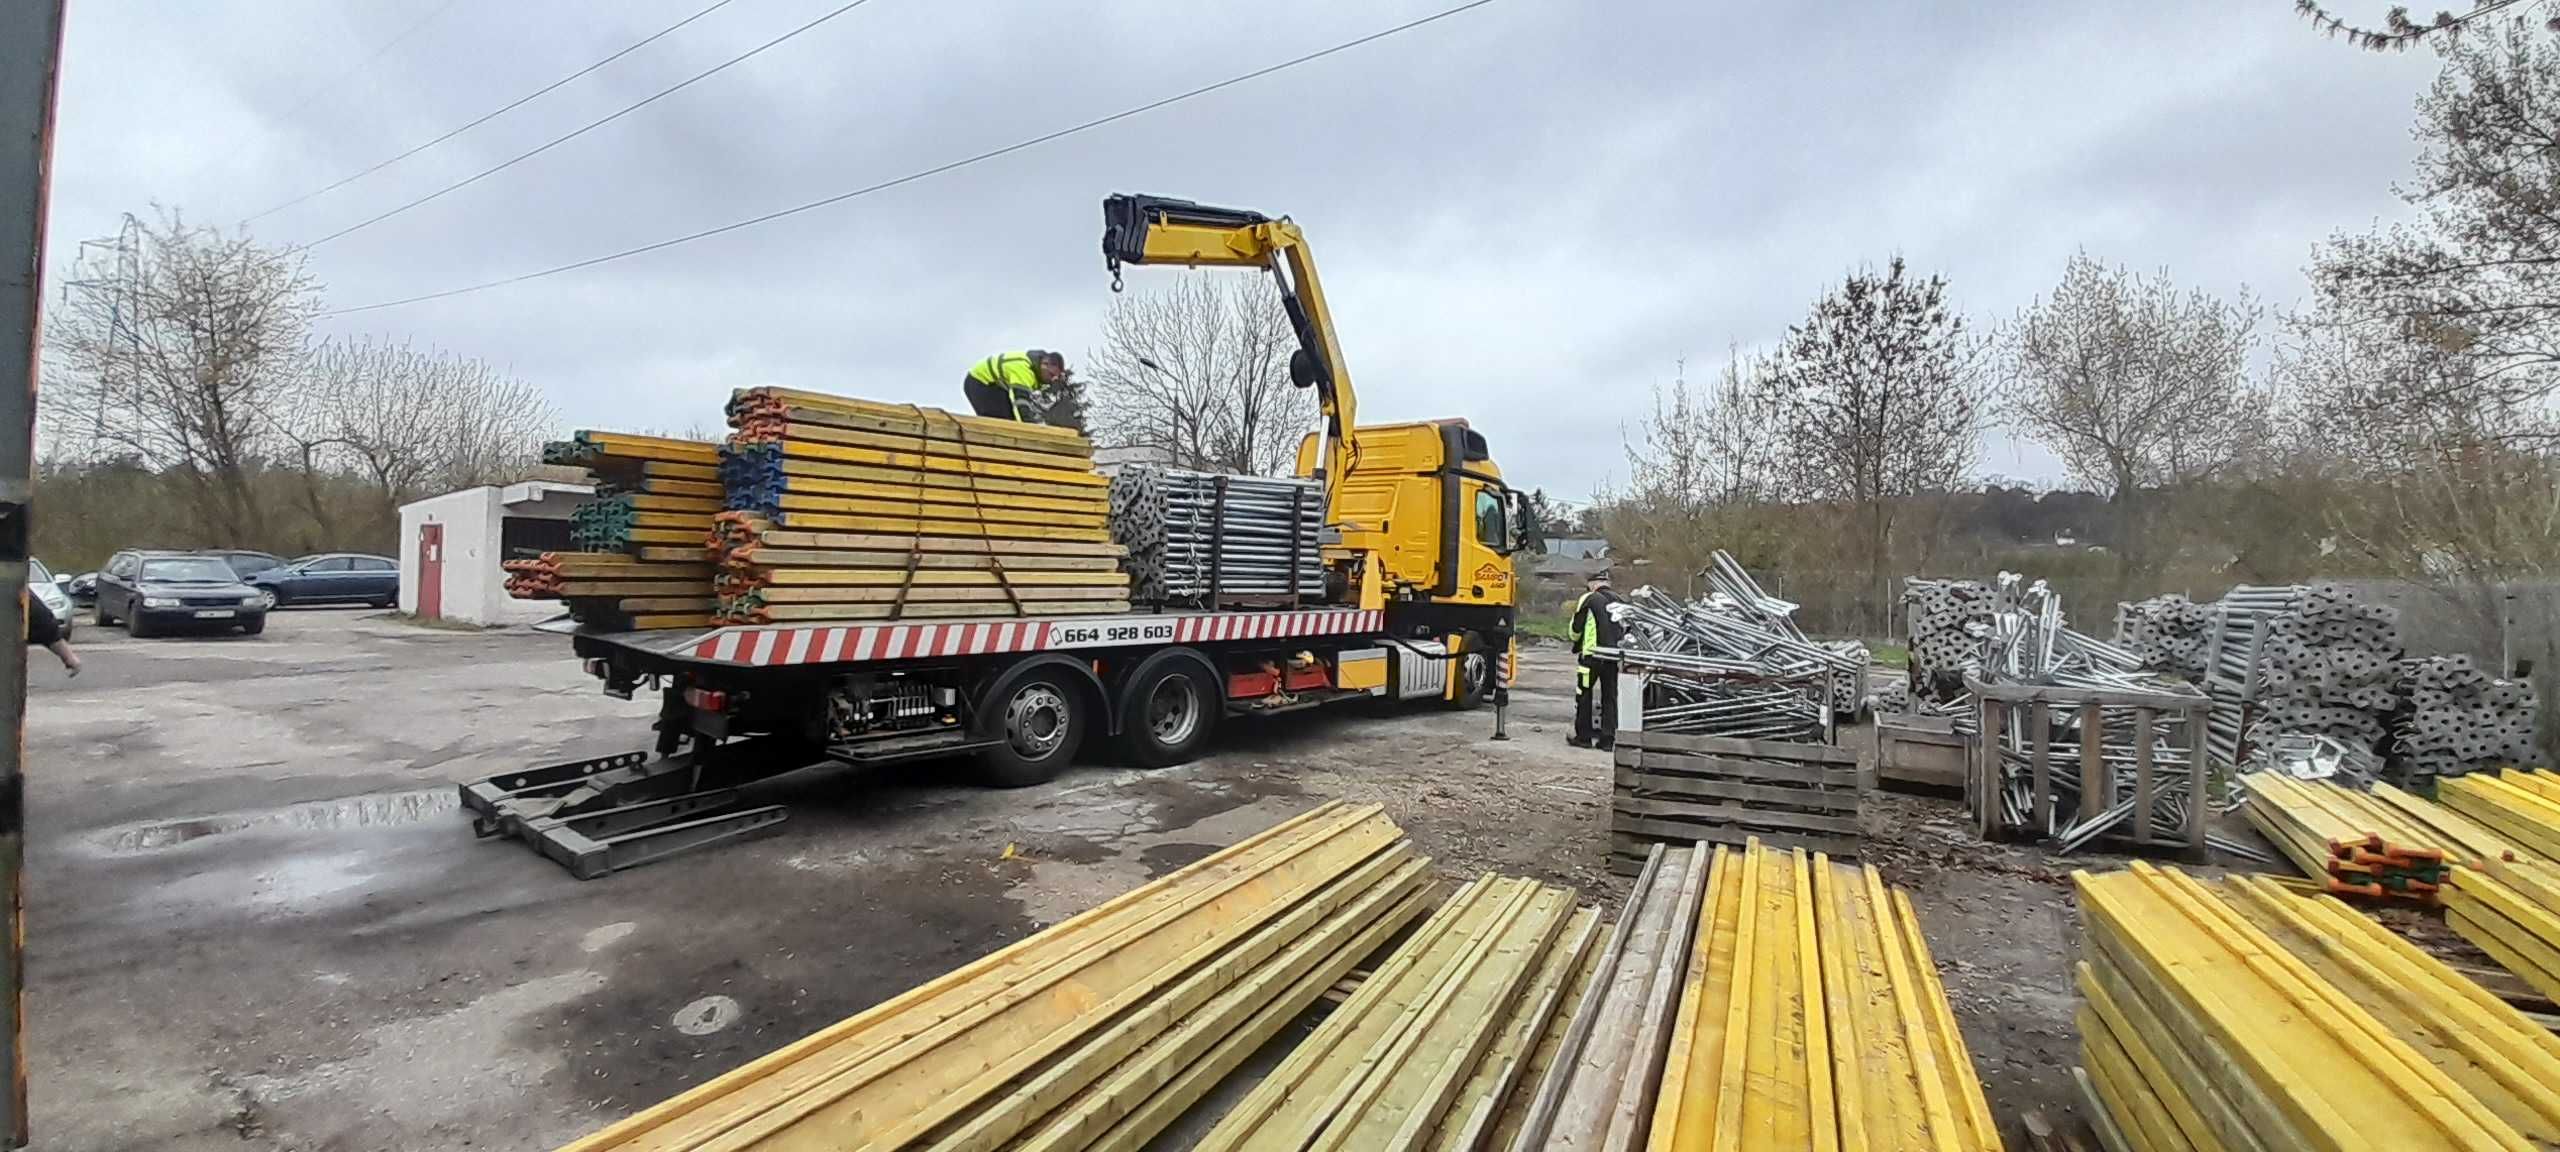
(1167, 707)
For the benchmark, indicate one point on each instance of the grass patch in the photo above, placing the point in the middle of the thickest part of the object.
(1890, 655)
(1545, 627)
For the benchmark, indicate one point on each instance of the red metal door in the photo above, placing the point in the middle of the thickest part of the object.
(431, 571)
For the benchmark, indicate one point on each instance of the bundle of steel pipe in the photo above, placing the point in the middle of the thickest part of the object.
(1204, 539)
(1739, 629)
(2326, 664)
(1945, 624)
(2458, 718)
(2167, 633)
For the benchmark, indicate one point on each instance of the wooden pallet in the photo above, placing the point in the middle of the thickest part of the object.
(1682, 789)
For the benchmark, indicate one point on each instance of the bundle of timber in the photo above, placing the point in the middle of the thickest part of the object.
(1599, 1090)
(2522, 807)
(611, 590)
(843, 509)
(1681, 789)
(2327, 664)
(1811, 1016)
(2248, 1015)
(2384, 843)
(640, 563)
(1207, 540)
(2456, 718)
(1441, 1045)
(2169, 633)
(2510, 909)
(1098, 1032)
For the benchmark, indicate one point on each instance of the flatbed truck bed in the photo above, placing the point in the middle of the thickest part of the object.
(1022, 696)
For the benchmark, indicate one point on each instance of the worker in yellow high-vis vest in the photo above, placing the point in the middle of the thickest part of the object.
(1595, 678)
(997, 385)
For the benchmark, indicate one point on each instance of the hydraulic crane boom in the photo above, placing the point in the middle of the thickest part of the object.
(1160, 230)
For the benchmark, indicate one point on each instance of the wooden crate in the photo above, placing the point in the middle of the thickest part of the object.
(1927, 751)
(1681, 789)
(2022, 713)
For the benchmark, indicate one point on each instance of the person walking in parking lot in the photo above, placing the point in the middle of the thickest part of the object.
(44, 631)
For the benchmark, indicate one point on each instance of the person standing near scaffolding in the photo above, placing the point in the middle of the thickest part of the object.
(1595, 679)
(997, 385)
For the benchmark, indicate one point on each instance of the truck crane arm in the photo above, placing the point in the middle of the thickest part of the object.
(1161, 230)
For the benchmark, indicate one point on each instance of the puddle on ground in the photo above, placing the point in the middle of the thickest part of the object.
(372, 810)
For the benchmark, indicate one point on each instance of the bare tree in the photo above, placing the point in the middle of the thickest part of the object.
(175, 361)
(1875, 399)
(2478, 274)
(2138, 388)
(2399, 30)
(1698, 468)
(414, 421)
(1200, 372)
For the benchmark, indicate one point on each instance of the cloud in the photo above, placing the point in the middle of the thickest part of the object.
(1527, 215)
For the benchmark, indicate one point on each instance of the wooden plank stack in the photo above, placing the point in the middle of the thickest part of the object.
(641, 563)
(2246, 1015)
(845, 509)
(2387, 843)
(1675, 788)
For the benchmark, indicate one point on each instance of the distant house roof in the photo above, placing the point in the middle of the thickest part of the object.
(1570, 567)
(1578, 547)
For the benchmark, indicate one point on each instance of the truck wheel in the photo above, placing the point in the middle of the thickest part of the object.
(1042, 721)
(1168, 708)
(1475, 681)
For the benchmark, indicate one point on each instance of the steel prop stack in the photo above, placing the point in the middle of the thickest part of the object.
(2327, 664)
(1734, 663)
(844, 509)
(2245, 1015)
(1945, 625)
(642, 565)
(2167, 633)
(2456, 719)
(1205, 540)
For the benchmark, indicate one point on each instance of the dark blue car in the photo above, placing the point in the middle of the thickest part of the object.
(332, 578)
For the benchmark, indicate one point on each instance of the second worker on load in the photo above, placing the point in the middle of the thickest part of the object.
(997, 385)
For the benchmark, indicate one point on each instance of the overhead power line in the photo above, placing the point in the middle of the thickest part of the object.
(510, 106)
(590, 126)
(921, 174)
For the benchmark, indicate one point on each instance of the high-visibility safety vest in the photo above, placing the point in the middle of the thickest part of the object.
(1011, 370)
(1590, 636)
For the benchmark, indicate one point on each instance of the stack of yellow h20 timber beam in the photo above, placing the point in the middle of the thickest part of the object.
(1811, 1016)
(2253, 1017)
(1434, 1049)
(2523, 807)
(1094, 1034)
(641, 562)
(2510, 909)
(2387, 843)
(844, 509)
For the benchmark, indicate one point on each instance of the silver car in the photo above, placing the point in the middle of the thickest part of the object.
(41, 585)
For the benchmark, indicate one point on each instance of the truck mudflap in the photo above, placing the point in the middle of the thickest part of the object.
(608, 813)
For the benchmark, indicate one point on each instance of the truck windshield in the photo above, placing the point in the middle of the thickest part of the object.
(188, 570)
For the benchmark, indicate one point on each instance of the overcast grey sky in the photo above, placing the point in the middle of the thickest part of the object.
(1526, 215)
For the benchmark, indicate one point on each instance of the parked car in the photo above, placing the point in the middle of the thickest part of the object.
(332, 578)
(83, 588)
(153, 591)
(245, 562)
(42, 585)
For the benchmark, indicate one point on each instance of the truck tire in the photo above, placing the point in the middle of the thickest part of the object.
(1168, 706)
(1041, 719)
(1474, 671)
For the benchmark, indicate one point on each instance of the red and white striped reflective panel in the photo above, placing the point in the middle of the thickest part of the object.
(858, 643)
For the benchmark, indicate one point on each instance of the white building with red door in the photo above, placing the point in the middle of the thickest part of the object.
(451, 547)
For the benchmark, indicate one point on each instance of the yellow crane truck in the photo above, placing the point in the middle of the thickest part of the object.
(1419, 604)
